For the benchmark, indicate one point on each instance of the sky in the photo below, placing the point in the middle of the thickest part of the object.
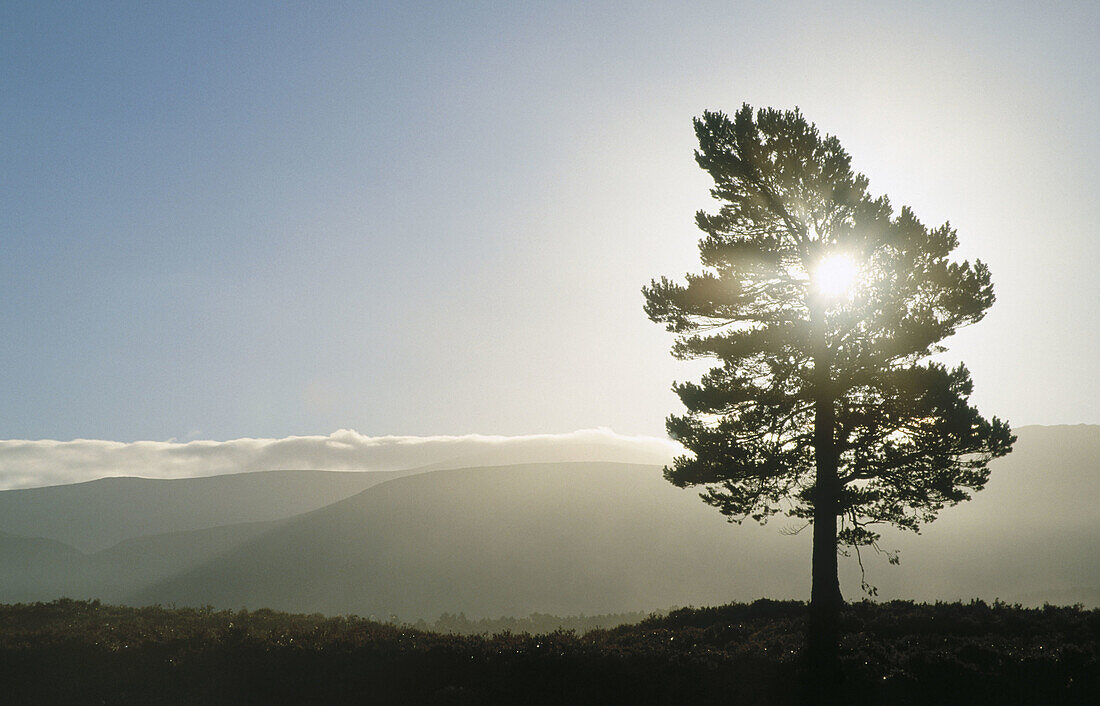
(242, 220)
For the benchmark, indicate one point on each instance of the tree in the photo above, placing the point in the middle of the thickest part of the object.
(822, 306)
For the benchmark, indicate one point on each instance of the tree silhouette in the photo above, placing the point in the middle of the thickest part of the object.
(822, 307)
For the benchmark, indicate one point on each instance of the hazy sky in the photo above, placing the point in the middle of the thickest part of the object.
(222, 220)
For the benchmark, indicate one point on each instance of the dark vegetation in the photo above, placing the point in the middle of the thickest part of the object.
(899, 652)
(534, 623)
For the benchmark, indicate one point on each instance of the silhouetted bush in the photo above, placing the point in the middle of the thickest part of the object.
(900, 652)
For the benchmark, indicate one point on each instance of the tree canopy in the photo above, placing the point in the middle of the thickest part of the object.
(822, 307)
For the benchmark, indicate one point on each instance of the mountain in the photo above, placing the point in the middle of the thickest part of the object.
(97, 514)
(34, 568)
(505, 540)
(595, 537)
(1030, 535)
(567, 538)
(115, 573)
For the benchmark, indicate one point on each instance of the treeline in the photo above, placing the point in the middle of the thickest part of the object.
(459, 624)
(899, 652)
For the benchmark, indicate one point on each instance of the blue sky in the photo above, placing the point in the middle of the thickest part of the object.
(229, 219)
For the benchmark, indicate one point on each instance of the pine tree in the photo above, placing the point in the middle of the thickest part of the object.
(822, 307)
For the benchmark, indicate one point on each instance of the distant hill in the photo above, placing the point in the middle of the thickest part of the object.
(1029, 536)
(97, 514)
(508, 540)
(115, 573)
(567, 538)
(33, 568)
(570, 538)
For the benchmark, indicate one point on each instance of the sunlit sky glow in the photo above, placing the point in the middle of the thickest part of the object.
(835, 276)
(225, 220)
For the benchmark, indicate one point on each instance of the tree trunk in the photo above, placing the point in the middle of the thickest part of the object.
(823, 635)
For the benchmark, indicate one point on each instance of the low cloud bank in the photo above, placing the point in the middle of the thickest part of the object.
(27, 464)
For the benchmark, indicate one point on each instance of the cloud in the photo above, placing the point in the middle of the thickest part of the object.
(26, 464)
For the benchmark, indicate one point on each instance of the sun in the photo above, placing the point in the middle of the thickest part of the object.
(834, 276)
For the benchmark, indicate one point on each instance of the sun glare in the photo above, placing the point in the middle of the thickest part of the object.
(835, 276)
